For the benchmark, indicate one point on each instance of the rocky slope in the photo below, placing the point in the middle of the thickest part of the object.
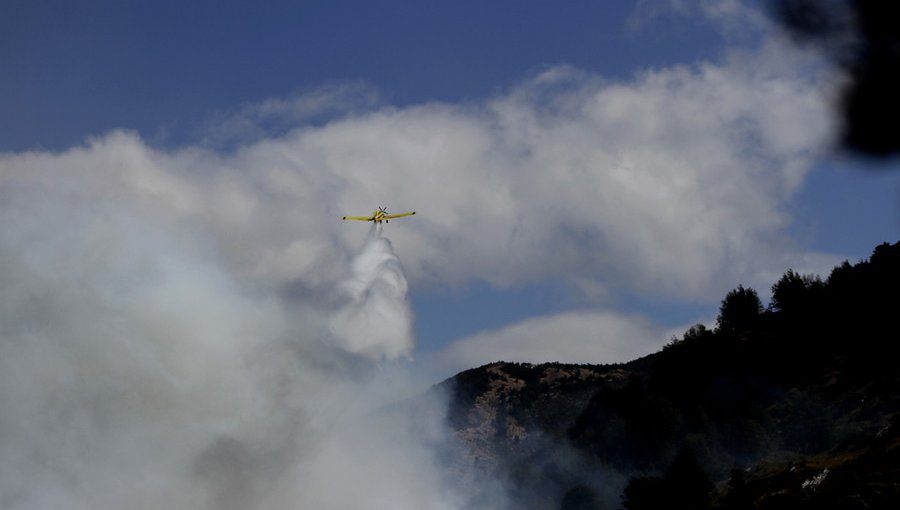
(793, 406)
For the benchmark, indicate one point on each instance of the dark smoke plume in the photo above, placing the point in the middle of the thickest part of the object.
(862, 37)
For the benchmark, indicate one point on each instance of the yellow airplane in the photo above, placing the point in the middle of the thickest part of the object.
(379, 216)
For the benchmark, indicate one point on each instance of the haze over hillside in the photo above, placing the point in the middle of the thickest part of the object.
(792, 406)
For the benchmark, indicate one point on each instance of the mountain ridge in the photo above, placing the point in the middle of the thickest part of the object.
(790, 406)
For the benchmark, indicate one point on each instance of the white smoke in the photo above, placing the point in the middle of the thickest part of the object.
(375, 318)
(138, 371)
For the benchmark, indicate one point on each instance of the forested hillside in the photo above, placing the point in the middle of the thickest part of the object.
(793, 405)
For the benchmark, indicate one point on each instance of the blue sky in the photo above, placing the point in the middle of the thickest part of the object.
(78, 69)
(606, 169)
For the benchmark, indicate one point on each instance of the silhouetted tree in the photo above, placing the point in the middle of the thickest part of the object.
(645, 493)
(581, 497)
(738, 497)
(687, 485)
(696, 332)
(864, 299)
(841, 278)
(740, 311)
(795, 293)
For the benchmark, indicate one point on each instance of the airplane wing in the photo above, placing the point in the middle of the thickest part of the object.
(392, 216)
(359, 218)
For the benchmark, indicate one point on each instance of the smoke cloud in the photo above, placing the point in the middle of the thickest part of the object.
(139, 370)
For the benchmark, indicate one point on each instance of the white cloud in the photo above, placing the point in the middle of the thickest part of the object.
(673, 182)
(732, 18)
(274, 116)
(571, 337)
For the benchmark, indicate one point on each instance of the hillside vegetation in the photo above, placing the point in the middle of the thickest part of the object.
(794, 405)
